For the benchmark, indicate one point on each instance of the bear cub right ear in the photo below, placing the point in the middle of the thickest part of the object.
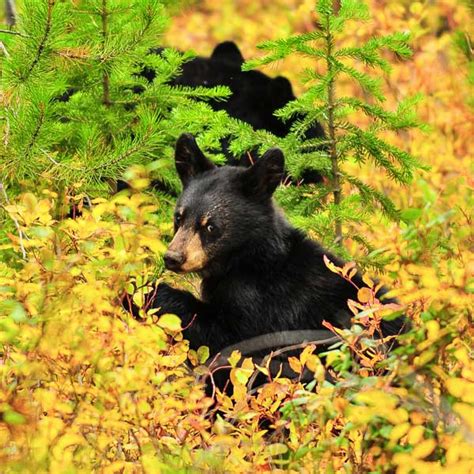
(263, 177)
(189, 159)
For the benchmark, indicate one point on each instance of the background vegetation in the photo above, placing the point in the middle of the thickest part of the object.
(85, 387)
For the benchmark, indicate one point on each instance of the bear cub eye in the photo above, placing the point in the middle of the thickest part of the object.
(210, 228)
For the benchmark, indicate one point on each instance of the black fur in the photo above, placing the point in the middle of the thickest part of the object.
(262, 274)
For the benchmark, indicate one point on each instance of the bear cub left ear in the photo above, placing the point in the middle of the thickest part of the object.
(228, 51)
(263, 177)
(189, 159)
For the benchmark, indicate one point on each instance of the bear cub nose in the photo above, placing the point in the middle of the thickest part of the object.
(173, 260)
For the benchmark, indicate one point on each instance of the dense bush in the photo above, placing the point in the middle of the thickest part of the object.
(86, 387)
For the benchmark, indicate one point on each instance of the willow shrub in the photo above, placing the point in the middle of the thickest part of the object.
(85, 387)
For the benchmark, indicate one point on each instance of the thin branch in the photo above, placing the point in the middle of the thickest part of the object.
(40, 123)
(16, 33)
(105, 77)
(336, 184)
(43, 41)
(6, 135)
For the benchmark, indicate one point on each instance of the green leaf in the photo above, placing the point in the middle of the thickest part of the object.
(410, 215)
(170, 322)
(203, 354)
(275, 449)
(12, 417)
(15, 310)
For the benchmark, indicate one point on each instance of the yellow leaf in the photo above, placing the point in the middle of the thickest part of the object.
(399, 431)
(364, 295)
(234, 358)
(415, 435)
(416, 8)
(247, 364)
(432, 328)
(461, 388)
(203, 354)
(155, 245)
(116, 467)
(333, 268)
(240, 376)
(377, 398)
(424, 449)
(424, 357)
(315, 365)
(295, 364)
(348, 269)
(462, 355)
(368, 281)
(465, 411)
(263, 370)
(30, 202)
(417, 418)
(307, 351)
(429, 279)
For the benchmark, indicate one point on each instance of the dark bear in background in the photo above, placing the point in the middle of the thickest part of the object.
(259, 274)
(254, 100)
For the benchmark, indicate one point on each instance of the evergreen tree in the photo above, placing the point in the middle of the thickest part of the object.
(345, 140)
(69, 110)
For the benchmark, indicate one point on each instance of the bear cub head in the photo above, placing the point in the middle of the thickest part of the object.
(221, 209)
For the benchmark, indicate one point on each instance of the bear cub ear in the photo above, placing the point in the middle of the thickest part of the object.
(228, 51)
(263, 177)
(280, 92)
(189, 159)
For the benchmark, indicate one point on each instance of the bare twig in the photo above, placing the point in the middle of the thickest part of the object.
(4, 50)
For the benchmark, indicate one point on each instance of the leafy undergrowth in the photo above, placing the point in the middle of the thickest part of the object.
(85, 387)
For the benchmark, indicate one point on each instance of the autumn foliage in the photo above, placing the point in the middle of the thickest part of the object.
(84, 387)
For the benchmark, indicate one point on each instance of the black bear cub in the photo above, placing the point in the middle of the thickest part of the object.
(259, 274)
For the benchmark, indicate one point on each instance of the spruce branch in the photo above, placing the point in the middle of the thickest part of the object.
(42, 44)
(36, 131)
